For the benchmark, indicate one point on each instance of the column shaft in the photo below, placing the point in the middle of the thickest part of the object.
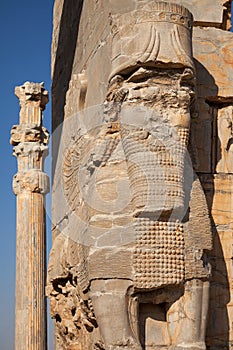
(30, 185)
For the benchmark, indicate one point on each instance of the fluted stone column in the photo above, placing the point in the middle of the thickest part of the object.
(30, 185)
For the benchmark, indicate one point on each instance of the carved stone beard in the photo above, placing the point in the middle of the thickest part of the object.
(152, 108)
(155, 119)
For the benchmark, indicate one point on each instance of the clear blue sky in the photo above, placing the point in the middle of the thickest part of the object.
(25, 37)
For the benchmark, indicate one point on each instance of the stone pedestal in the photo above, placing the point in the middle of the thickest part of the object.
(30, 185)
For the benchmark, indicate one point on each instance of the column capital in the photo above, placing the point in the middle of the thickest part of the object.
(32, 92)
(30, 138)
(29, 133)
(34, 150)
(31, 181)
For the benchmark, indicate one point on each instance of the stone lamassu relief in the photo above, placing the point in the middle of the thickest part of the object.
(136, 269)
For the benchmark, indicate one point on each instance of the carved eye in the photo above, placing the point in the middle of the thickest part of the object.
(230, 124)
(182, 20)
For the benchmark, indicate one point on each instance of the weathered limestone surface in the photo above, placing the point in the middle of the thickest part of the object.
(217, 44)
(30, 185)
(207, 12)
(95, 218)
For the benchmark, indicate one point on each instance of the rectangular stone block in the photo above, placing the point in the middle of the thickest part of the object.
(107, 261)
(222, 207)
(121, 6)
(219, 194)
(223, 245)
(205, 11)
(202, 144)
(212, 48)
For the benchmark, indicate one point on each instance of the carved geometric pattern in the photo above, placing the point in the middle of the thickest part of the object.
(184, 136)
(159, 254)
(167, 12)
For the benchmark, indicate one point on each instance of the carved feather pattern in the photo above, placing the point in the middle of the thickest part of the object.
(79, 157)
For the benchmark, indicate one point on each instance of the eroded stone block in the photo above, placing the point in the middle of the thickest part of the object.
(215, 43)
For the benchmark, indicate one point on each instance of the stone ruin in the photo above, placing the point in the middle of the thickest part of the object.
(142, 175)
(30, 185)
